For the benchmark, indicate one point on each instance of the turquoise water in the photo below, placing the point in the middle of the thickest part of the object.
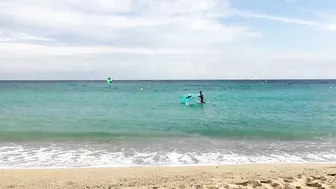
(90, 123)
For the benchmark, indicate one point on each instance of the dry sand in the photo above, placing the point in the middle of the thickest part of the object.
(227, 176)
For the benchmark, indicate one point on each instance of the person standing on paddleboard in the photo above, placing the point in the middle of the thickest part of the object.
(201, 97)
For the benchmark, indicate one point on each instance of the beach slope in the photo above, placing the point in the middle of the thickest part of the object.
(225, 176)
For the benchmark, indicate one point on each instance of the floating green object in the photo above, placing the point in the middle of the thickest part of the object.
(109, 81)
(189, 98)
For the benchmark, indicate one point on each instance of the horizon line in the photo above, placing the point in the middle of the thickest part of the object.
(261, 79)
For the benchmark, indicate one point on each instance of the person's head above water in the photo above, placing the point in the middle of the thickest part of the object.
(200, 92)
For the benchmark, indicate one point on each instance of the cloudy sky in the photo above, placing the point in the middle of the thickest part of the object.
(167, 39)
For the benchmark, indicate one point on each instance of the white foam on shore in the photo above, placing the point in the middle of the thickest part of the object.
(23, 157)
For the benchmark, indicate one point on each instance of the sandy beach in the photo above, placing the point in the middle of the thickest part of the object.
(225, 176)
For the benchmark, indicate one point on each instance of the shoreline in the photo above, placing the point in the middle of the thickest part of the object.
(166, 166)
(262, 175)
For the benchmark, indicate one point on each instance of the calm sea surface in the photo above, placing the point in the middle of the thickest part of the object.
(90, 123)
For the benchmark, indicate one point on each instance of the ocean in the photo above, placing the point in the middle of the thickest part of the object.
(56, 124)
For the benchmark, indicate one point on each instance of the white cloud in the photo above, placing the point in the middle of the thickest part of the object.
(33, 50)
(233, 64)
(144, 39)
(9, 36)
(321, 24)
(154, 24)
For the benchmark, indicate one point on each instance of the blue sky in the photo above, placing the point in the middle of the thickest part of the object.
(167, 39)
